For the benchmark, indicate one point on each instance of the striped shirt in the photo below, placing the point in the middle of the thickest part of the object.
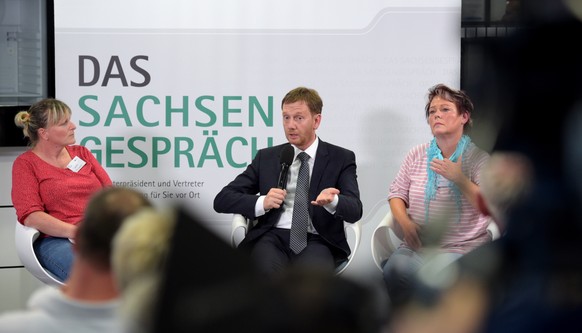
(467, 228)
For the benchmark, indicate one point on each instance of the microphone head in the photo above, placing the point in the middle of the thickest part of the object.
(287, 155)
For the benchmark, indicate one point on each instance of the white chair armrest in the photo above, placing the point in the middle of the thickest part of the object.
(238, 221)
(493, 230)
(384, 240)
(241, 222)
(24, 238)
(356, 227)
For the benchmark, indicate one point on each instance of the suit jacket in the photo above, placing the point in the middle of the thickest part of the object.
(334, 167)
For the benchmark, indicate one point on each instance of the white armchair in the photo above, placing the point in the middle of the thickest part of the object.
(385, 240)
(239, 223)
(24, 238)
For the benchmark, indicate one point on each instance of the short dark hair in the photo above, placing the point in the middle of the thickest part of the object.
(459, 97)
(104, 214)
(309, 96)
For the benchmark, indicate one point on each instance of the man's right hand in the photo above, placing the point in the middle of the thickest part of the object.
(274, 199)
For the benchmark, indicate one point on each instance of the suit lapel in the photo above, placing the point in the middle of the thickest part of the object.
(321, 161)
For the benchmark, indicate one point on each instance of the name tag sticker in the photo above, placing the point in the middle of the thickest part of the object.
(76, 164)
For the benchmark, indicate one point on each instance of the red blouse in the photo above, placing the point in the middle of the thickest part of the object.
(59, 192)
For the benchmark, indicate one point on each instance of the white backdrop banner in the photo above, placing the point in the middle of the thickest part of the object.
(175, 97)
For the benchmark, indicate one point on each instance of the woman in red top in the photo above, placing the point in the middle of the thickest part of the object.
(53, 181)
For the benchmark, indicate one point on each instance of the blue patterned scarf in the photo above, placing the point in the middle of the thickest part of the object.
(432, 181)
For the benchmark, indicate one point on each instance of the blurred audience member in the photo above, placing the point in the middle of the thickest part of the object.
(89, 300)
(216, 290)
(317, 301)
(506, 180)
(140, 249)
(539, 285)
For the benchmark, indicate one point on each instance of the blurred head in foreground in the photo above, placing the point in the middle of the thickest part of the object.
(139, 252)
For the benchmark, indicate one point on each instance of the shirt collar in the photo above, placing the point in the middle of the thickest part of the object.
(311, 150)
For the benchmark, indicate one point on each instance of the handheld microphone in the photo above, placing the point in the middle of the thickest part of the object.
(286, 159)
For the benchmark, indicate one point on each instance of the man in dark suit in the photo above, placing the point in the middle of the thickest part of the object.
(333, 196)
